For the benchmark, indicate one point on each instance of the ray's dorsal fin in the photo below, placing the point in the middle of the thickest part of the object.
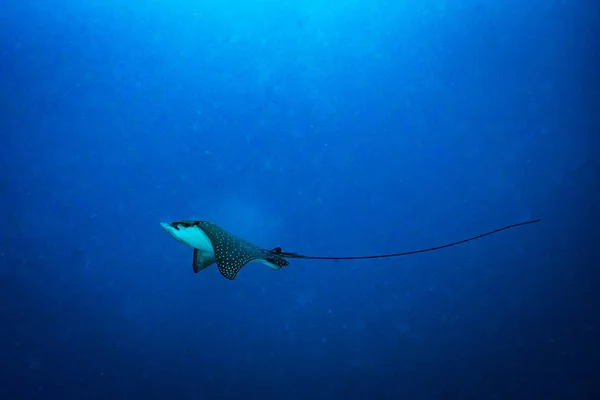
(232, 252)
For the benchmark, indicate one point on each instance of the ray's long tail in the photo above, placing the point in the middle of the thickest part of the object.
(406, 253)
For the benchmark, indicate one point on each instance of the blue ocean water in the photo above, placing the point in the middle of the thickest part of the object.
(345, 127)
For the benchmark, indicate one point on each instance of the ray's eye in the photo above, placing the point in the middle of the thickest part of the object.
(184, 224)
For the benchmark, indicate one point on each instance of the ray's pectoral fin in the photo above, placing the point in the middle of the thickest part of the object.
(202, 259)
(230, 263)
(237, 253)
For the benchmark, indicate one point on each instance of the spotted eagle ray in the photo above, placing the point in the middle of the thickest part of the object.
(212, 243)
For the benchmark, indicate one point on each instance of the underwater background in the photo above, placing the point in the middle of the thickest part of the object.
(342, 127)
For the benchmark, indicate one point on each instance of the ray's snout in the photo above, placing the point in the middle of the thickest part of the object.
(169, 228)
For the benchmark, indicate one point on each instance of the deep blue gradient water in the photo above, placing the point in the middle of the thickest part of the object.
(327, 128)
